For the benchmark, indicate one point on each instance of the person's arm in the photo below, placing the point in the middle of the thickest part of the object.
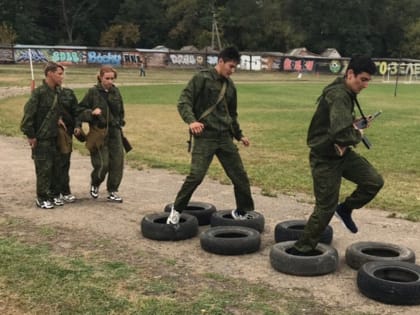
(27, 125)
(186, 103)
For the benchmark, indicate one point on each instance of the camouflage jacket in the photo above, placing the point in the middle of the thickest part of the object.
(332, 122)
(110, 102)
(202, 92)
(37, 110)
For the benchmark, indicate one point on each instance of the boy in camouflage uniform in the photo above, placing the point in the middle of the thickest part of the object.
(331, 136)
(39, 124)
(213, 130)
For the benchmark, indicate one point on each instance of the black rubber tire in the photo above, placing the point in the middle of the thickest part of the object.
(291, 231)
(154, 226)
(201, 210)
(360, 253)
(324, 263)
(230, 240)
(224, 218)
(390, 282)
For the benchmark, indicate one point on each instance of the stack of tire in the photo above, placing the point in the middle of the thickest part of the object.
(385, 272)
(323, 260)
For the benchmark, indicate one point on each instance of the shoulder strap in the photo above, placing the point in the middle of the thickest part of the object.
(219, 98)
(47, 117)
(360, 109)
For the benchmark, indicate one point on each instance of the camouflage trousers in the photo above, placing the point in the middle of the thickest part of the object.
(327, 175)
(109, 160)
(226, 151)
(44, 155)
(61, 179)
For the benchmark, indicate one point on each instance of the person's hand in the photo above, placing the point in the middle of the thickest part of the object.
(245, 141)
(196, 128)
(62, 124)
(32, 142)
(97, 111)
(77, 131)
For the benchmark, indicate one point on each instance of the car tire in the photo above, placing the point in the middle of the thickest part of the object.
(325, 261)
(224, 218)
(291, 231)
(153, 226)
(390, 282)
(358, 254)
(230, 240)
(201, 210)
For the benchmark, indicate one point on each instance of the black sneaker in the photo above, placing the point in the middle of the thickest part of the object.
(345, 217)
(295, 252)
(94, 191)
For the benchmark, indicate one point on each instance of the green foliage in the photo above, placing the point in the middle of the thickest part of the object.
(120, 35)
(7, 34)
(385, 29)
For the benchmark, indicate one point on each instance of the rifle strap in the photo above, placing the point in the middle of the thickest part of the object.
(360, 109)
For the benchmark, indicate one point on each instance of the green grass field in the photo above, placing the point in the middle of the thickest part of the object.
(274, 112)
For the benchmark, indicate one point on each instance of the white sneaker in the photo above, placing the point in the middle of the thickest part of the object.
(240, 215)
(173, 217)
(68, 198)
(58, 201)
(44, 204)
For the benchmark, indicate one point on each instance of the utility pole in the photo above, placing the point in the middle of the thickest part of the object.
(215, 32)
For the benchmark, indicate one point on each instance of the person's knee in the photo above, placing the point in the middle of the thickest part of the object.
(378, 183)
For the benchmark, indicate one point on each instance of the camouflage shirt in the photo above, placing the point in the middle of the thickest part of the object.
(333, 120)
(201, 93)
(37, 110)
(110, 102)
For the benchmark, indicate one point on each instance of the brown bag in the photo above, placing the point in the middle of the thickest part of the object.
(64, 141)
(95, 138)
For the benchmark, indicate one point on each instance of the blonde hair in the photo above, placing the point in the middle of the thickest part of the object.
(105, 69)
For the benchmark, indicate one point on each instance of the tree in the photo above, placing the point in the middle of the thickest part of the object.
(411, 46)
(7, 34)
(120, 35)
(150, 16)
(74, 12)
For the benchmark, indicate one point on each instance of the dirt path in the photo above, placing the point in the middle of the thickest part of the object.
(150, 190)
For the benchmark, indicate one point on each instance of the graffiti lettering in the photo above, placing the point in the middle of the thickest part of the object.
(129, 58)
(98, 57)
(251, 62)
(36, 54)
(212, 60)
(66, 56)
(182, 59)
(392, 68)
(298, 65)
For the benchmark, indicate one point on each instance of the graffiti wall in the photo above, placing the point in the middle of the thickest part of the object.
(69, 55)
(6, 55)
